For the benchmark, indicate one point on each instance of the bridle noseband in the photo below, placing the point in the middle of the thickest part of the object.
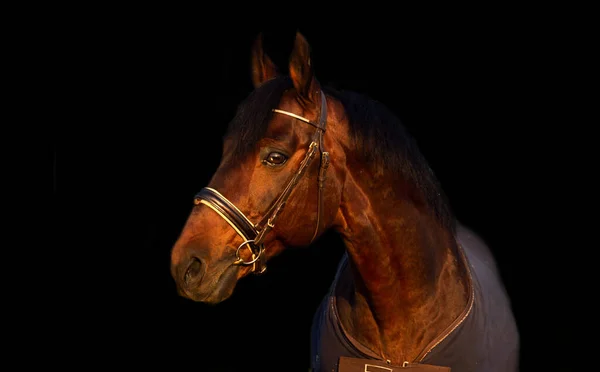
(254, 234)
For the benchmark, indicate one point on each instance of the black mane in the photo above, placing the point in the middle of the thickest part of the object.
(378, 133)
(253, 114)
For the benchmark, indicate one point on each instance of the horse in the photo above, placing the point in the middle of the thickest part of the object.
(415, 288)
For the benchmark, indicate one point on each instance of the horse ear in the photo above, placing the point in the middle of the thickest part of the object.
(262, 67)
(301, 70)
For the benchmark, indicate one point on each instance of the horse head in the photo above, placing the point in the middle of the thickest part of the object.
(279, 182)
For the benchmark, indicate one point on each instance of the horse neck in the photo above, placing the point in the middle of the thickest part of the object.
(408, 281)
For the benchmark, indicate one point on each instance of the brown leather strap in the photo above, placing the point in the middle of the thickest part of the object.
(321, 181)
(347, 364)
(268, 221)
(227, 210)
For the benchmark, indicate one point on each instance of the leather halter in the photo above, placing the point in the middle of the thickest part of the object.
(254, 234)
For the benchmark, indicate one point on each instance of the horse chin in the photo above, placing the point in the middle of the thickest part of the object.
(218, 292)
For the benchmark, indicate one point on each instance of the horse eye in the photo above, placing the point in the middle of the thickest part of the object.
(275, 158)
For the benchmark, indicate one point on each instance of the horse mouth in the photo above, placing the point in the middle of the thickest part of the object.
(215, 293)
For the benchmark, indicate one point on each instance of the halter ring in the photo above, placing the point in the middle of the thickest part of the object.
(240, 261)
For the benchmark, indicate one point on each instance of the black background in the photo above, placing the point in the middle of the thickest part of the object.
(148, 96)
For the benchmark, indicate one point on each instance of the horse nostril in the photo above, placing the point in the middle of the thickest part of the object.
(193, 271)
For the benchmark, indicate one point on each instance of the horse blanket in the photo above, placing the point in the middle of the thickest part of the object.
(483, 338)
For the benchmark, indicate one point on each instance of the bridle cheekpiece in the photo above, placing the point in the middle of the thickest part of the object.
(253, 235)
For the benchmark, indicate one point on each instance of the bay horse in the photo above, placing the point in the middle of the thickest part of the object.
(414, 288)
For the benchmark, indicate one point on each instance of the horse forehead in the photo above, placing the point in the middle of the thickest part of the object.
(281, 126)
(290, 101)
